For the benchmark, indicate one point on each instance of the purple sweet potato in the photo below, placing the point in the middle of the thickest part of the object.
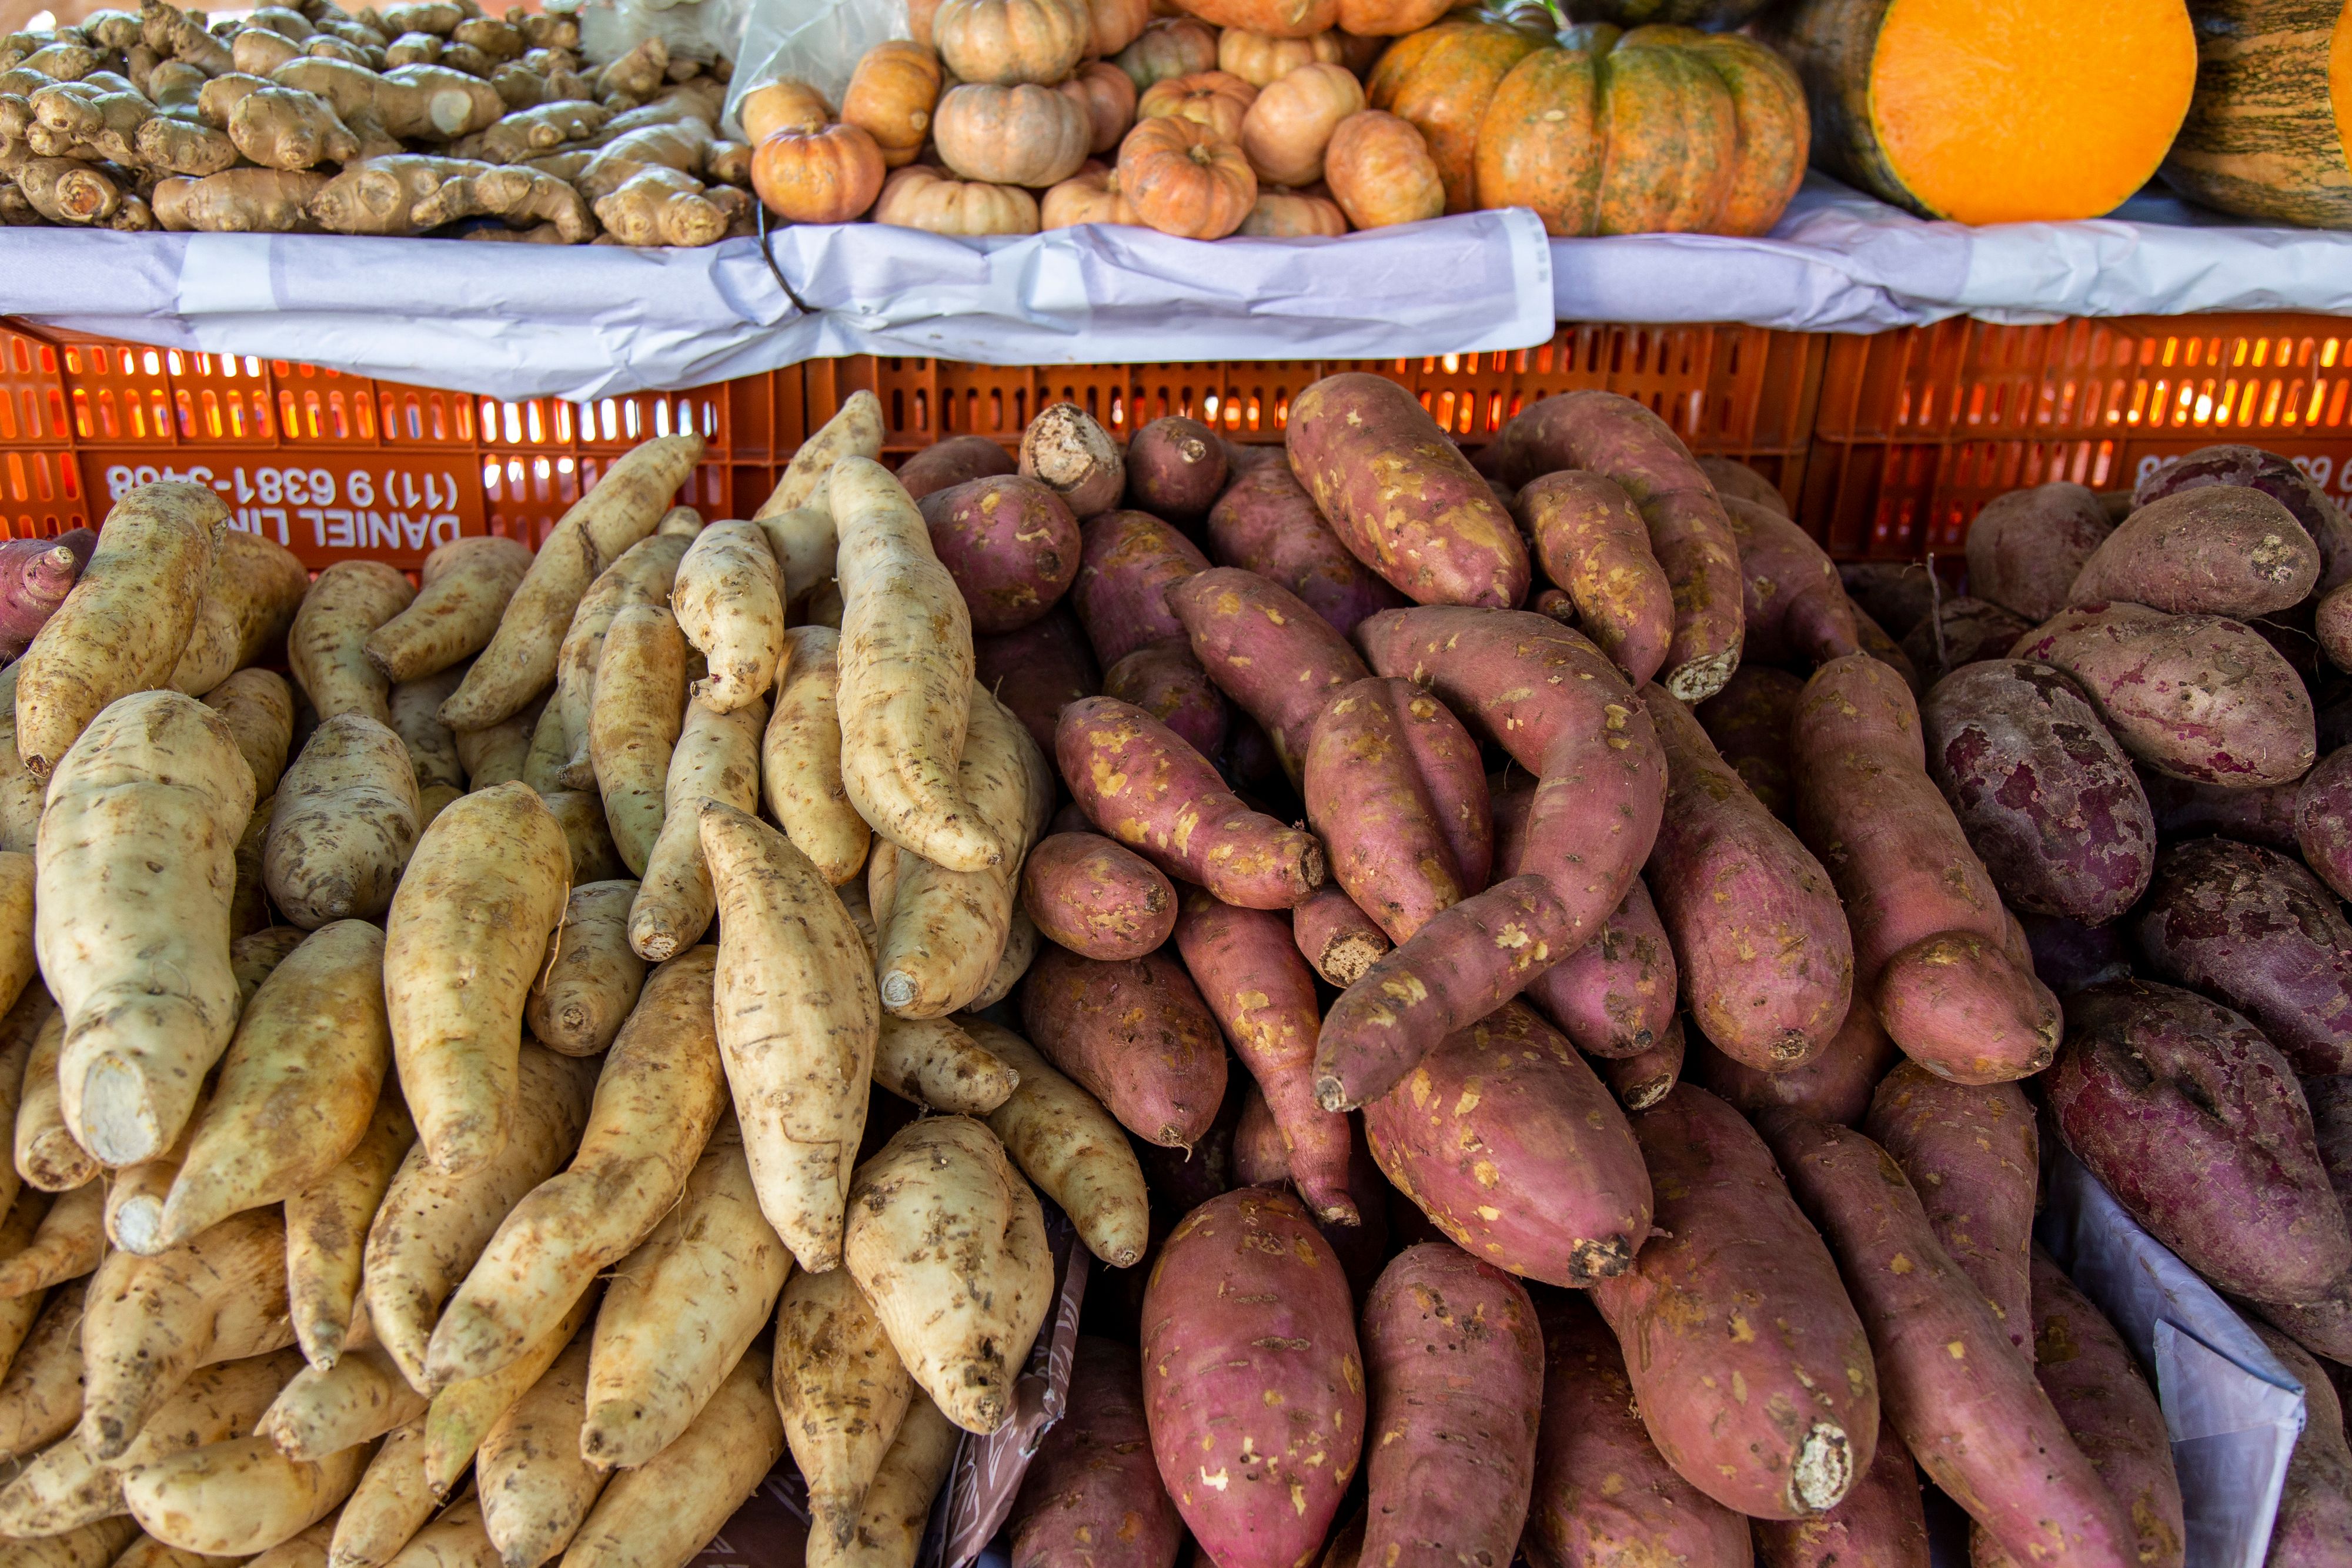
(2069, 955)
(1736, 481)
(2047, 798)
(1454, 1365)
(1097, 897)
(1135, 1035)
(1267, 522)
(2251, 928)
(1974, 1156)
(1401, 497)
(1266, 648)
(2322, 821)
(2265, 815)
(1614, 997)
(1960, 1396)
(2274, 477)
(955, 461)
(2026, 546)
(1253, 1385)
(1064, 449)
(1139, 782)
(1038, 671)
(1927, 924)
(1555, 603)
(1767, 966)
(2202, 698)
(2331, 624)
(1690, 534)
(1962, 631)
(1127, 563)
(1886, 650)
(36, 575)
(1750, 1367)
(2109, 1410)
(1175, 469)
(1882, 1524)
(1262, 995)
(1592, 543)
(1505, 1140)
(1394, 787)
(1834, 1085)
(1794, 602)
(1011, 545)
(2215, 550)
(1641, 1079)
(2196, 1124)
(1560, 709)
(1604, 1496)
(1165, 681)
(2314, 1524)
(1895, 594)
(2323, 1325)
(1336, 937)
(1092, 1497)
(1748, 722)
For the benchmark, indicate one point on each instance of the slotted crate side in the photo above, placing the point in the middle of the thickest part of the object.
(1919, 429)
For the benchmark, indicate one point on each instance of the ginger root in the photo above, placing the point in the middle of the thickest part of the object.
(241, 201)
(68, 191)
(521, 196)
(170, 146)
(662, 206)
(283, 128)
(380, 195)
(681, 146)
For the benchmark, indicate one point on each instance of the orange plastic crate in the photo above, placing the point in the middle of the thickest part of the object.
(1916, 430)
(340, 466)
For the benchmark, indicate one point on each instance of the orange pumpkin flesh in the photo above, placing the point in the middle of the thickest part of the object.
(1994, 110)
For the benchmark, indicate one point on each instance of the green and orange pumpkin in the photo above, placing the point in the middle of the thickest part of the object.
(2270, 127)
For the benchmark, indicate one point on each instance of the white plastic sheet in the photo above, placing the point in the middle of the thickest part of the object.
(2233, 1411)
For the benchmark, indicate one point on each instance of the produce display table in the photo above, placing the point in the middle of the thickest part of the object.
(603, 322)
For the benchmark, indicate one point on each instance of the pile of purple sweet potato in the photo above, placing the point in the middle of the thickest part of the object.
(1652, 984)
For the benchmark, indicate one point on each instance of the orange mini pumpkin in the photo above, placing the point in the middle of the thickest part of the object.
(1092, 195)
(1390, 18)
(891, 95)
(826, 177)
(921, 197)
(1260, 60)
(1183, 178)
(1442, 80)
(1288, 127)
(1381, 172)
(1278, 18)
(918, 21)
(786, 105)
(1656, 130)
(1171, 46)
(1008, 41)
(1294, 214)
(1104, 91)
(1020, 135)
(1215, 98)
(1115, 23)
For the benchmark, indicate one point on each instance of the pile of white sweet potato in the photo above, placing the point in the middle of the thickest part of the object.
(1552, 1067)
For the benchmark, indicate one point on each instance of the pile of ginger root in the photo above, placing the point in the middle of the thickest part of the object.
(306, 119)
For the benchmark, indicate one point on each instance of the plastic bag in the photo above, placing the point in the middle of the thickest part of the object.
(814, 41)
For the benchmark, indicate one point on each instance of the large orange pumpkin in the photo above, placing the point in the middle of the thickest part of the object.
(1656, 130)
(1183, 178)
(1215, 98)
(1441, 78)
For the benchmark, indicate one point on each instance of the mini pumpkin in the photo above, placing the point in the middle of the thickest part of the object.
(1217, 99)
(1092, 195)
(1381, 172)
(1171, 46)
(918, 21)
(891, 95)
(1294, 214)
(1184, 179)
(1115, 23)
(1286, 130)
(1656, 130)
(1008, 41)
(1260, 60)
(1442, 80)
(1104, 91)
(1277, 18)
(921, 197)
(1394, 18)
(1019, 135)
(826, 176)
(786, 105)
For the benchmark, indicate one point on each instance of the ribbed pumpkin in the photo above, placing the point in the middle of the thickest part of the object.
(1659, 130)
(1441, 78)
(2018, 111)
(1286, 130)
(1021, 135)
(826, 177)
(2270, 127)
(921, 197)
(1282, 18)
(1381, 172)
(1089, 196)
(1184, 179)
(1260, 60)
(1104, 91)
(786, 105)
(890, 98)
(1389, 19)
(1116, 24)
(1008, 41)
(1213, 98)
(1294, 214)
(1171, 46)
